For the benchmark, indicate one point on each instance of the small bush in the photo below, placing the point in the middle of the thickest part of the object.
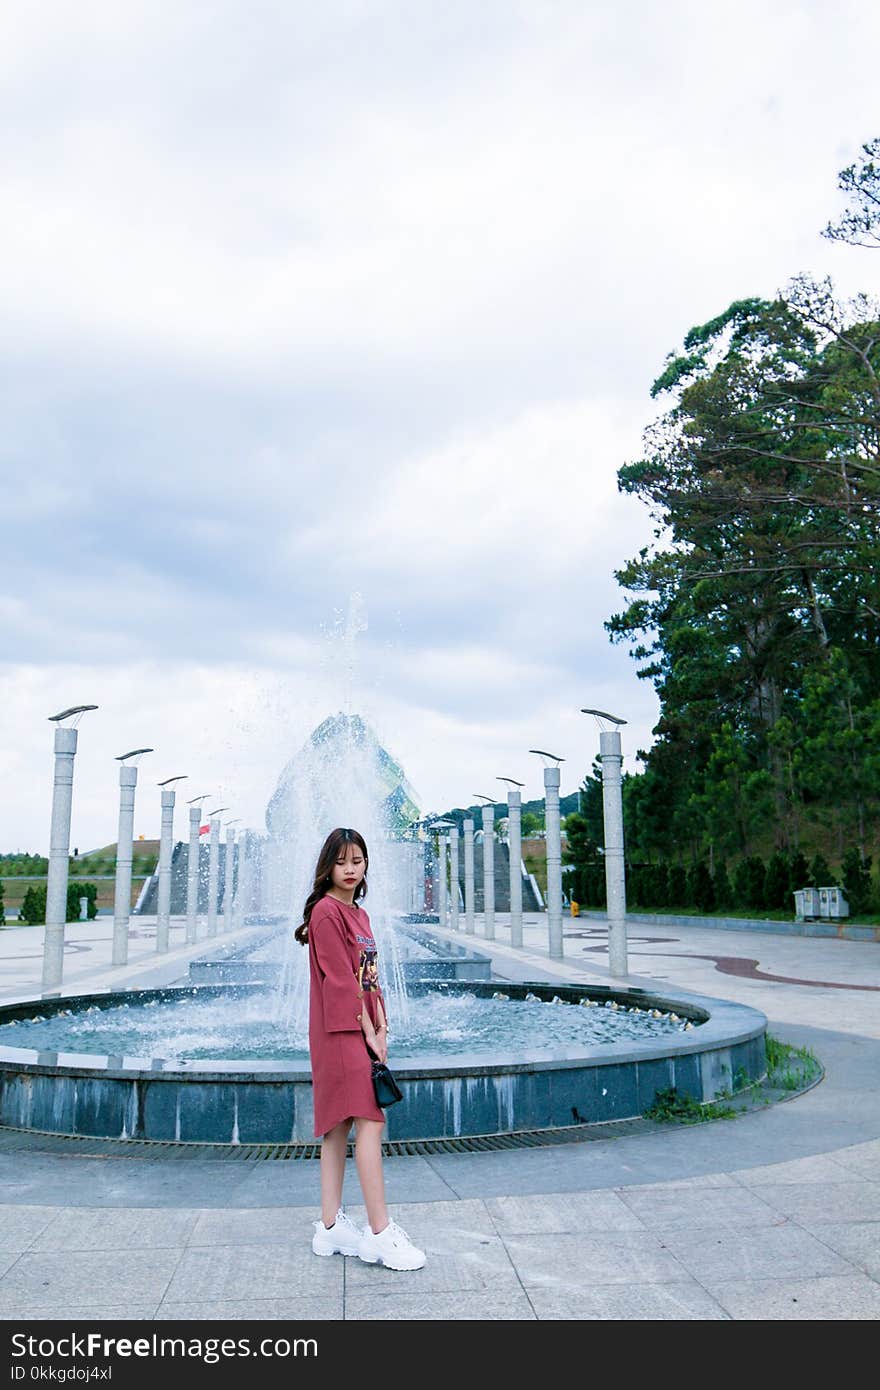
(33, 907)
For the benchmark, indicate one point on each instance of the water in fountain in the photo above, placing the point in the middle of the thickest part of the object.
(340, 777)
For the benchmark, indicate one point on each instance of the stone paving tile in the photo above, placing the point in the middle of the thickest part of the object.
(820, 1299)
(856, 1241)
(454, 1264)
(574, 1212)
(218, 1273)
(290, 1310)
(719, 1208)
(87, 1278)
(119, 1228)
(811, 1204)
(511, 1305)
(265, 1184)
(254, 1226)
(614, 1257)
(817, 1168)
(674, 1184)
(20, 1226)
(63, 1311)
(758, 1252)
(863, 1159)
(423, 1221)
(682, 1301)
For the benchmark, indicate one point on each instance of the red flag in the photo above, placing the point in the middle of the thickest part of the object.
(204, 829)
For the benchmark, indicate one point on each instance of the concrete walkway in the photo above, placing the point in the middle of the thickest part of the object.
(773, 1215)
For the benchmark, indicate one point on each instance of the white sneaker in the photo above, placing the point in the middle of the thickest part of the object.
(342, 1238)
(391, 1247)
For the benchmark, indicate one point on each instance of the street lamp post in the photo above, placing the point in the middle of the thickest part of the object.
(228, 873)
(124, 845)
(192, 868)
(442, 843)
(469, 877)
(488, 865)
(243, 881)
(553, 843)
(59, 844)
(453, 876)
(214, 869)
(514, 846)
(166, 836)
(611, 757)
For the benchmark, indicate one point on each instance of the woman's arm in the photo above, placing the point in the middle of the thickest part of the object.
(376, 1034)
(339, 989)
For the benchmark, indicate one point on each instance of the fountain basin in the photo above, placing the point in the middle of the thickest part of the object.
(432, 959)
(235, 1101)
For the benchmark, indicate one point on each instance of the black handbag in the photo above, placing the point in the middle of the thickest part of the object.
(385, 1087)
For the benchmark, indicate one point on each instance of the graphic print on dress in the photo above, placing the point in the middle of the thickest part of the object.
(368, 971)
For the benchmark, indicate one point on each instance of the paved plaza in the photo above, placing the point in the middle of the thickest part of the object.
(775, 1214)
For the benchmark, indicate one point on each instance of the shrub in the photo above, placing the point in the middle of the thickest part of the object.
(776, 882)
(75, 891)
(723, 887)
(798, 873)
(701, 889)
(678, 887)
(820, 873)
(33, 907)
(856, 875)
(748, 882)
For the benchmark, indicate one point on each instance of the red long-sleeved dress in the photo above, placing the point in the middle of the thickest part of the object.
(343, 980)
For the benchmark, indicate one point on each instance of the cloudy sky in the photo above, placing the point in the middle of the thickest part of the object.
(343, 317)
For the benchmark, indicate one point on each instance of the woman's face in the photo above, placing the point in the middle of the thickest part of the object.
(349, 868)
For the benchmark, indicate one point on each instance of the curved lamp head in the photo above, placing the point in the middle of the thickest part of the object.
(553, 757)
(135, 753)
(602, 718)
(75, 712)
(512, 780)
(169, 780)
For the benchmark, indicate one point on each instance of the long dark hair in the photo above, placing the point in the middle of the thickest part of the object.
(332, 848)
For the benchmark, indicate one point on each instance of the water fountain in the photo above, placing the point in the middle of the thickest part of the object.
(223, 1058)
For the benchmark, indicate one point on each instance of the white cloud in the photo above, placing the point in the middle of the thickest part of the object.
(306, 301)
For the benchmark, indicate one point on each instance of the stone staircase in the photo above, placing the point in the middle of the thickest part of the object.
(502, 881)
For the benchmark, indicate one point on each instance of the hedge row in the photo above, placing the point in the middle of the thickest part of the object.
(753, 884)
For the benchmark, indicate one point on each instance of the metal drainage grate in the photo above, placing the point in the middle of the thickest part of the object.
(85, 1146)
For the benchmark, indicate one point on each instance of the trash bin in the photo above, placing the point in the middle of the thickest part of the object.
(575, 908)
(806, 904)
(833, 903)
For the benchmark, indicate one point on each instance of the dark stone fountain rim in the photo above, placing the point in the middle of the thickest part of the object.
(721, 1023)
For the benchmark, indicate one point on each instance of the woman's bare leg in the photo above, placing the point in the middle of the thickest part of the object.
(333, 1147)
(368, 1157)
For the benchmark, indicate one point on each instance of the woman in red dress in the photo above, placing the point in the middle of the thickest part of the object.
(347, 1017)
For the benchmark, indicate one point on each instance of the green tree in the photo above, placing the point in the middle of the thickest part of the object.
(764, 484)
(860, 181)
(580, 848)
